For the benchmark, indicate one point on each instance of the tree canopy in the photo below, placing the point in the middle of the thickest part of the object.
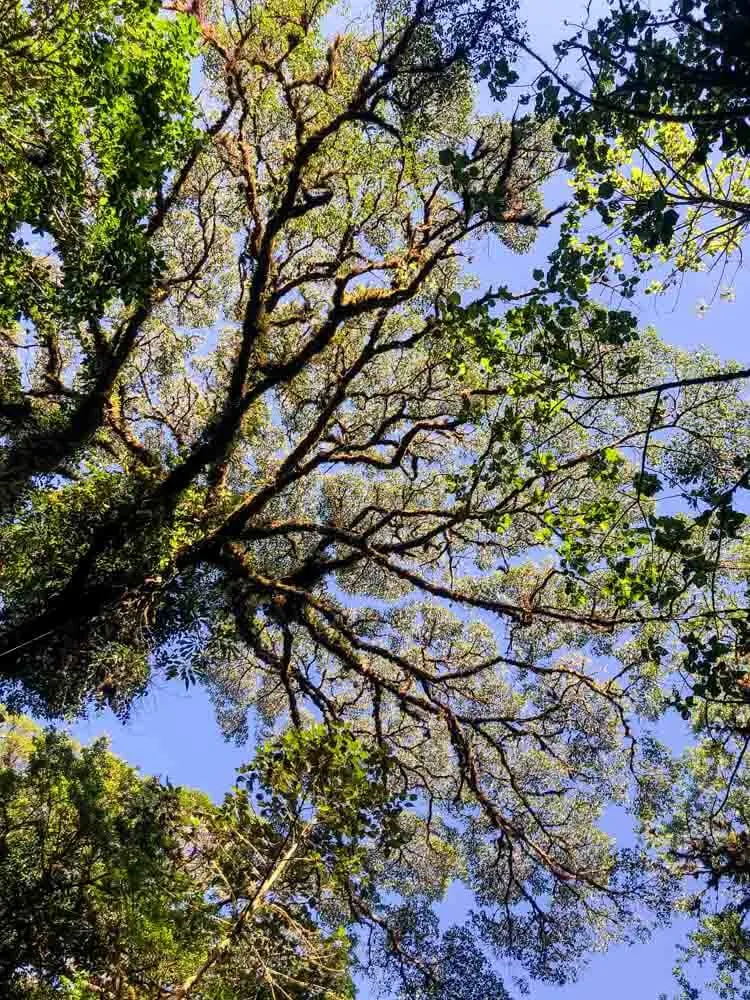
(118, 885)
(262, 430)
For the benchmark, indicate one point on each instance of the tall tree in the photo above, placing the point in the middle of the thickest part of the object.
(115, 885)
(696, 818)
(96, 115)
(325, 488)
(657, 137)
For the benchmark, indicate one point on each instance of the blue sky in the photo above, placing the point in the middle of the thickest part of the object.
(172, 733)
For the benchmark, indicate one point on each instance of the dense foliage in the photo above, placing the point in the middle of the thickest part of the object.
(261, 432)
(95, 113)
(112, 884)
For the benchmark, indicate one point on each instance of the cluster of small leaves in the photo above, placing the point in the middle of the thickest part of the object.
(658, 136)
(690, 61)
(347, 781)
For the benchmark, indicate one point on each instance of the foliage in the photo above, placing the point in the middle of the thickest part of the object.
(657, 142)
(112, 884)
(698, 822)
(686, 63)
(95, 113)
(93, 884)
(658, 132)
(487, 539)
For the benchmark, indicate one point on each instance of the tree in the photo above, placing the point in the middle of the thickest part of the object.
(696, 817)
(320, 481)
(657, 143)
(657, 139)
(317, 475)
(115, 885)
(657, 130)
